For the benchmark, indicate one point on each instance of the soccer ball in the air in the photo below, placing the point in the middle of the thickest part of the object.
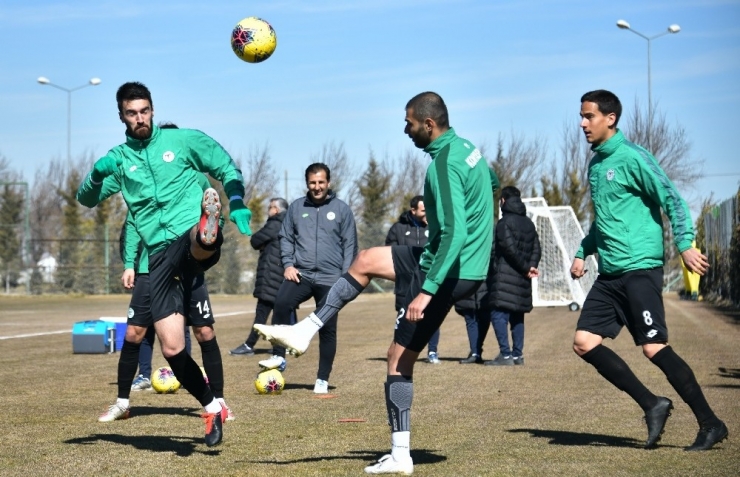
(269, 382)
(253, 40)
(164, 380)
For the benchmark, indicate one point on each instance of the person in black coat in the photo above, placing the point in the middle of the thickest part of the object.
(515, 259)
(411, 229)
(269, 271)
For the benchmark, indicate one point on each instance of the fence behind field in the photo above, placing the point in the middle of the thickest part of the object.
(721, 226)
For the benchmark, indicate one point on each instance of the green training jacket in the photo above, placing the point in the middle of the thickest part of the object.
(159, 180)
(628, 189)
(458, 196)
(132, 246)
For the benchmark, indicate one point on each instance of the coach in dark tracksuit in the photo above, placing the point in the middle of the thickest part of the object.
(515, 259)
(318, 242)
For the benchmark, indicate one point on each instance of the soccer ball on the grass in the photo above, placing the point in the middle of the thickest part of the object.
(164, 380)
(253, 40)
(269, 382)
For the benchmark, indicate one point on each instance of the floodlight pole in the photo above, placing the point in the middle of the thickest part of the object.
(45, 81)
(671, 29)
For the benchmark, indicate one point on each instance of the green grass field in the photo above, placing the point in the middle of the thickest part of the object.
(555, 416)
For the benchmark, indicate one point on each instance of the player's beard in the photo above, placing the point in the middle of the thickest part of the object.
(141, 132)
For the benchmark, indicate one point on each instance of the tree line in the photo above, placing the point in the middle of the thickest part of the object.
(41, 218)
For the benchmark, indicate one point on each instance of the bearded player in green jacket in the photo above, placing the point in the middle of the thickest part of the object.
(629, 189)
(157, 171)
(458, 195)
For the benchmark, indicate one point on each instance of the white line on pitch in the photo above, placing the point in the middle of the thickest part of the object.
(30, 335)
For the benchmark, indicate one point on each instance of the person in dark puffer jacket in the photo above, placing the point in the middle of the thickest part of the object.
(411, 229)
(515, 259)
(269, 271)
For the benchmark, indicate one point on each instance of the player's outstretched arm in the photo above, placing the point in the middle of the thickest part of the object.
(102, 182)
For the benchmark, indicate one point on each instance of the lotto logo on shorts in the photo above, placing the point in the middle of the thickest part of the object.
(652, 333)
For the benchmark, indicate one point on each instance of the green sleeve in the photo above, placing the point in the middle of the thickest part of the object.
(651, 179)
(588, 244)
(91, 193)
(453, 228)
(495, 184)
(210, 157)
(131, 242)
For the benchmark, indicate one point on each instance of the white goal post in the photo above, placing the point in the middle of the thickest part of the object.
(560, 237)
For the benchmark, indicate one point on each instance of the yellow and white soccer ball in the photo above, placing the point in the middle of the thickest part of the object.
(269, 382)
(253, 40)
(164, 380)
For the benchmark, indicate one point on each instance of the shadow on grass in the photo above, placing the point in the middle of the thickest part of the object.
(567, 438)
(420, 456)
(181, 446)
(729, 373)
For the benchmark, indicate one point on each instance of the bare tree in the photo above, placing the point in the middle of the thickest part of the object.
(518, 161)
(407, 180)
(260, 181)
(566, 181)
(668, 143)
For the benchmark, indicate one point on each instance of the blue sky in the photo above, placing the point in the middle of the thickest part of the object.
(343, 71)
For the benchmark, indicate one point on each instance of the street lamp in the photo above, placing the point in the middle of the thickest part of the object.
(45, 81)
(624, 25)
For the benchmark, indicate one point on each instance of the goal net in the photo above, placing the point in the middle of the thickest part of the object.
(560, 237)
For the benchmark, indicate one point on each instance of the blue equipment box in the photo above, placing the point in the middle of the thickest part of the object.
(93, 337)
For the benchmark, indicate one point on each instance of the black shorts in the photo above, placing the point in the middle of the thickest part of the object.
(140, 312)
(169, 271)
(633, 299)
(415, 336)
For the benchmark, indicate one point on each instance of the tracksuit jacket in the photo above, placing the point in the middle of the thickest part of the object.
(407, 231)
(628, 189)
(319, 240)
(458, 196)
(159, 182)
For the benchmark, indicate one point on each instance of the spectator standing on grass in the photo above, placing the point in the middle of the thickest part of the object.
(269, 271)
(516, 255)
(318, 241)
(629, 190)
(411, 230)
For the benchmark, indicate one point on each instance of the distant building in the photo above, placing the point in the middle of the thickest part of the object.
(47, 267)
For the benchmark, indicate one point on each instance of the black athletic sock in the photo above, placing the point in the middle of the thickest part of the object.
(128, 362)
(682, 379)
(616, 371)
(399, 393)
(211, 354)
(342, 292)
(188, 373)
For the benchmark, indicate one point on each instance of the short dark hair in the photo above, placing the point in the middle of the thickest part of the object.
(317, 167)
(429, 105)
(130, 91)
(415, 201)
(510, 191)
(281, 203)
(606, 101)
(167, 125)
